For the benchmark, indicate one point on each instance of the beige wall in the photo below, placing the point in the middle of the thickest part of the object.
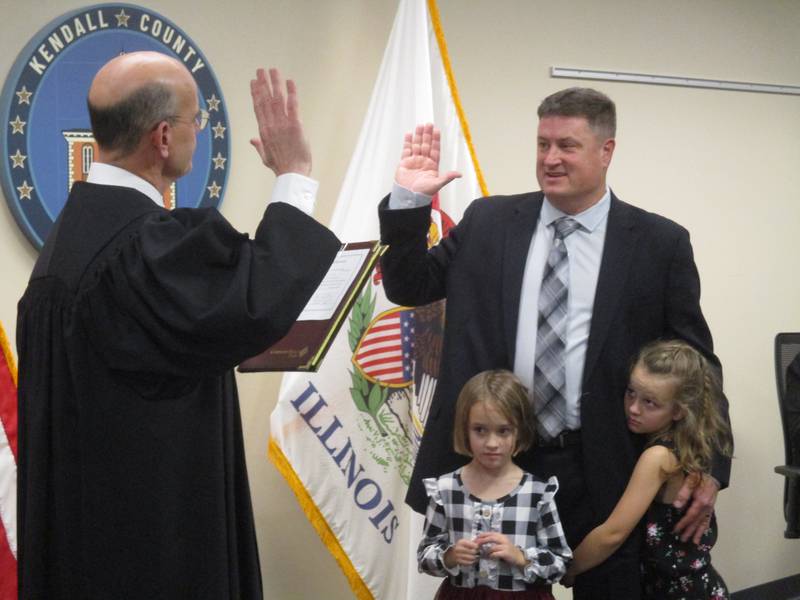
(724, 164)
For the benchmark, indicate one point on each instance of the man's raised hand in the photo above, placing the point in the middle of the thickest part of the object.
(418, 170)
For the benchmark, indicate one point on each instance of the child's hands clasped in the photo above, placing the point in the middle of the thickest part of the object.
(497, 546)
(463, 552)
(491, 545)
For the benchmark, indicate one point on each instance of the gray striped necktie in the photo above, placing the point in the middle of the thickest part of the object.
(549, 380)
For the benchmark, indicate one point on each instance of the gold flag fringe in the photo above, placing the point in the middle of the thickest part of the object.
(278, 458)
(12, 367)
(433, 11)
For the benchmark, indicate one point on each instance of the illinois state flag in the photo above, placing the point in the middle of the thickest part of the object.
(345, 438)
(8, 471)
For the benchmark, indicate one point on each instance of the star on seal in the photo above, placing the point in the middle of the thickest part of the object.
(218, 129)
(25, 190)
(213, 190)
(122, 18)
(17, 125)
(24, 96)
(18, 159)
(219, 161)
(213, 103)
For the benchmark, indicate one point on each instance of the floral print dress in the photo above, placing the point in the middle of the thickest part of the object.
(676, 570)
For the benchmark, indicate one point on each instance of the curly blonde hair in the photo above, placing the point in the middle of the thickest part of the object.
(702, 430)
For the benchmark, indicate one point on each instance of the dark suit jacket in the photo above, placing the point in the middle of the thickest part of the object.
(648, 288)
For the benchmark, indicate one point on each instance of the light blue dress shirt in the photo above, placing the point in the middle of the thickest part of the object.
(585, 250)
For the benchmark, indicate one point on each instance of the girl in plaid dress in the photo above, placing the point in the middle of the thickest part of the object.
(672, 398)
(491, 529)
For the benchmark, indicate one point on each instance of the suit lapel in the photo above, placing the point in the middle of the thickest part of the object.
(517, 243)
(618, 250)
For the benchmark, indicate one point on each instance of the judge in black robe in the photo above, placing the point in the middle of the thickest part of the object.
(132, 475)
(132, 478)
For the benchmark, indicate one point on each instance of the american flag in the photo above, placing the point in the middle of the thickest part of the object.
(385, 352)
(8, 472)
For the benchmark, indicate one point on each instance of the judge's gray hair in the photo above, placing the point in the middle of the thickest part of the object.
(120, 127)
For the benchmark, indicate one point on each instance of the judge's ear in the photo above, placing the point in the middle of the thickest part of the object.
(161, 138)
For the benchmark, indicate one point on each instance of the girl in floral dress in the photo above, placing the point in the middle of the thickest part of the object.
(672, 398)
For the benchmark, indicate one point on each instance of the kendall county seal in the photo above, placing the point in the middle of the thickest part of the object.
(48, 143)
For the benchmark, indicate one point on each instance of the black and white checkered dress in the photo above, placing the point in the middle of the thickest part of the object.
(528, 516)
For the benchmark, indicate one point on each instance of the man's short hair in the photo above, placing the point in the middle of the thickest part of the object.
(120, 127)
(597, 108)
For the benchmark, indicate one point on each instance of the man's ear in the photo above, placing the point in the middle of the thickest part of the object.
(607, 151)
(161, 137)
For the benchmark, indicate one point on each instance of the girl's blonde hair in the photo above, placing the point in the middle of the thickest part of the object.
(702, 429)
(502, 390)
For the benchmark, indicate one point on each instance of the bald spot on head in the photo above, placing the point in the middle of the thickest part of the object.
(131, 93)
(124, 74)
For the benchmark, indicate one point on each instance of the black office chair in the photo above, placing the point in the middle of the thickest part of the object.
(787, 375)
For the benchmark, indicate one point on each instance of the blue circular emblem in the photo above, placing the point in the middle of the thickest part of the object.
(48, 143)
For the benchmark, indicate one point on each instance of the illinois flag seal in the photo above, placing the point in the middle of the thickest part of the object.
(48, 145)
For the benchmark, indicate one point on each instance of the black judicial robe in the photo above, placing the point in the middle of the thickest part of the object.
(132, 475)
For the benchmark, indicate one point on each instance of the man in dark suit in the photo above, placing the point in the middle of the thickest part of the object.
(631, 278)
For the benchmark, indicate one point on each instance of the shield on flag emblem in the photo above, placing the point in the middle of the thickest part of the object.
(385, 353)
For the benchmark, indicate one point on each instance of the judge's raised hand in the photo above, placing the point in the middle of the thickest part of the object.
(281, 144)
(697, 519)
(418, 170)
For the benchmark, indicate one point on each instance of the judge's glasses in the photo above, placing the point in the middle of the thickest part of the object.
(200, 120)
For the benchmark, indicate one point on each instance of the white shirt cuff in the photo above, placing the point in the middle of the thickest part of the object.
(295, 189)
(404, 198)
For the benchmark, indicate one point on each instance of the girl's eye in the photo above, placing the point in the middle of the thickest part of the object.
(629, 392)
